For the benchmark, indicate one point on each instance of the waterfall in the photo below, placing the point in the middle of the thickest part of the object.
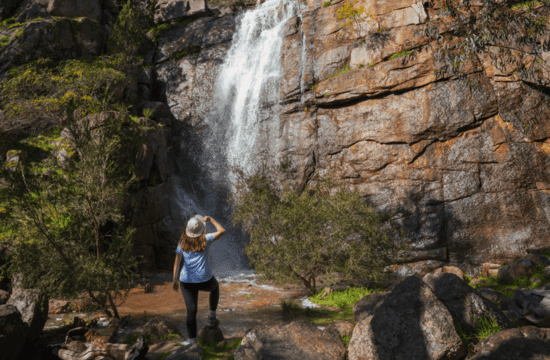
(246, 93)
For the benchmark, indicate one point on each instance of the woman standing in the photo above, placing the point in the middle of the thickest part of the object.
(193, 270)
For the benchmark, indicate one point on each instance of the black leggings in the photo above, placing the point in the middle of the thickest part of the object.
(190, 292)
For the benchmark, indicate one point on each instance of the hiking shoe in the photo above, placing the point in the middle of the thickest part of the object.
(213, 322)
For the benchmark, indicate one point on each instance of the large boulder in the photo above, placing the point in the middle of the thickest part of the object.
(297, 340)
(368, 304)
(169, 10)
(33, 305)
(157, 327)
(466, 305)
(13, 332)
(411, 323)
(31, 9)
(521, 268)
(527, 342)
(531, 306)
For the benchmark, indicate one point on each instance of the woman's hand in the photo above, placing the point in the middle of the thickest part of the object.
(175, 286)
(207, 219)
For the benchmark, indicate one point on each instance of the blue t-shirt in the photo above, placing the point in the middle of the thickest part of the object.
(196, 265)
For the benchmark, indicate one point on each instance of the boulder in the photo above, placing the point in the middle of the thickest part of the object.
(75, 8)
(13, 332)
(466, 305)
(297, 340)
(450, 270)
(531, 306)
(193, 352)
(343, 327)
(527, 342)
(420, 267)
(546, 272)
(4, 297)
(169, 10)
(368, 304)
(33, 306)
(157, 326)
(6, 8)
(521, 268)
(210, 334)
(488, 269)
(411, 323)
(491, 294)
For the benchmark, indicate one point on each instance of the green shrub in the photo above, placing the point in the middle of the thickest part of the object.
(401, 54)
(328, 3)
(4, 40)
(486, 327)
(127, 36)
(345, 339)
(288, 241)
(38, 94)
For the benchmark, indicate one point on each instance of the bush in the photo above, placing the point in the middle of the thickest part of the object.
(38, 95)
(66, 231)
(127, 36)
(300, 236)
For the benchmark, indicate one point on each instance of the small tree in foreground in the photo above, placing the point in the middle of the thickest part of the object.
(325, 230)
(65, 230)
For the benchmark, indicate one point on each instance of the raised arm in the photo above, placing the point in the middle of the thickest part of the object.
(177, 269)
(219, 229)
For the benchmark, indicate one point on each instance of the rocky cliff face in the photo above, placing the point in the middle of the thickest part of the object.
(464, 169)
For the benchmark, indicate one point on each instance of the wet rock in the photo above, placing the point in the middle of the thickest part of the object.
(193, 352)
(343, 327)
(367, 305)
(13, 332)
(33, 306)
(152, 158)
(521, 268)
(210, 334)
(297, 340)
(466, 305)
(411, 323)
(527, 342)
(488, 269)
(4, 297)
(169, 10)
(531, 306)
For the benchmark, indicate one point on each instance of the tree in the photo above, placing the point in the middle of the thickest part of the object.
(326, 229)
(64, 223)
(127, 36)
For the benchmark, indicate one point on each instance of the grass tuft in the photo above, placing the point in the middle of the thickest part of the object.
(4, 40)
(343, 71)
(328, 3)
(215, 351)
(401, 54)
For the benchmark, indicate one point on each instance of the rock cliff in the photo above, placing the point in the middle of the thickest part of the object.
(464, 169)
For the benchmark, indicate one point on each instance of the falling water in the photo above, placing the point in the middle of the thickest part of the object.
(246, 93)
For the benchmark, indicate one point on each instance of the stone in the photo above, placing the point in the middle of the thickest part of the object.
(77, 346)
(411, 323)
(466, 305)
(92, 336)
(527, 342)
(488, 269)
(146, 77)
(210, 335)
(6, 8)
(169, 10)
(531, 306)
(343, 327)
(367, 305)
(58, 307)
(144, 93)
(546, 272)
(297, 340)
(193, 352)
(420, 267)
(75, 8)
(491, 294)
(160, 112)
(158, 326)
(450, 270)
(13, 159)
(33, 306)
(521, 268)
(412, 15)
(421, 255)
(13, 332)
(4, 297)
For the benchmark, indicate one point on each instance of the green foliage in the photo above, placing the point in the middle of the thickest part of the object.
(341, 299)
(460, 331)
(401, 54)
(187, 51)
(147, 113)
(4, 40)
(345, 339)
(9, 23)
(67, 233)
(127, 36)
(312, 87)
(215, 351)
(38, 94)
(343, 71)
(150, 338)
(327, 3)
(486, 327)
(288, 241)
(354, 19)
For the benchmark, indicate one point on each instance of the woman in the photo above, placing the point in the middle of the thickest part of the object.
(196, 270)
